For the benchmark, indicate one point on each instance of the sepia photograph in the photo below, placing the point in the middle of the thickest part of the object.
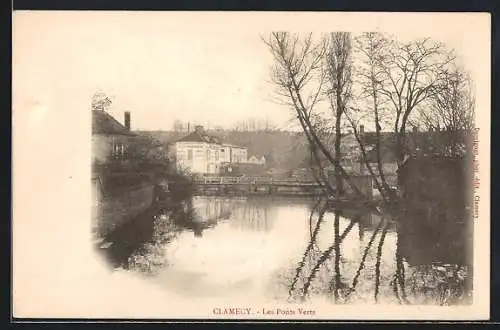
(252, 165)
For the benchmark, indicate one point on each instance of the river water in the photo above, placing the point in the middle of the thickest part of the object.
(275, 249)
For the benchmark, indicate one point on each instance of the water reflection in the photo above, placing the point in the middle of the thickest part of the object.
(293, 250)
(380, 269)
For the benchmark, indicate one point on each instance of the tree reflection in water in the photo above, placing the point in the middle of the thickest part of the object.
(348, 256)
(139, 245)
(432, 280)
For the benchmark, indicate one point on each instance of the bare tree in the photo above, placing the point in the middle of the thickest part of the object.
(452, 108)
(450, 112)
(100, 101)
(304, 71)
(411, 73)
(401, 77)
(338, 60)
(299, 75)
(371, 47)
(339, 69)
(253, 125)
(177, 126)
(395, 81)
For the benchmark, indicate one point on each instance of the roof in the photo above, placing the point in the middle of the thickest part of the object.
(234, 146)
(104, 123)
(256, 156)
(198, 136)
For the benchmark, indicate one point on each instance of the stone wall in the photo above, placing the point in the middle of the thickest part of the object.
(108, 213)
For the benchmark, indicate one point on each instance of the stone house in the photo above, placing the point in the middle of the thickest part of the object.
(201, 153)
(110, 139)
(118, 191)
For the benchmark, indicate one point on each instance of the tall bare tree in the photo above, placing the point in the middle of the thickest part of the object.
(339, 90)
(395, 81)
(453, 107)
(304, 71)
(406, 76)
(450, 112)
(338, 58)
(372, 48)
(412, 73)
(298, 72)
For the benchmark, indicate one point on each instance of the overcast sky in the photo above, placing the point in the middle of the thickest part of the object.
(165, 66)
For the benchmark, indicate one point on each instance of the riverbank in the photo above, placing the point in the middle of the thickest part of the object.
(123, 190)
(109, 212)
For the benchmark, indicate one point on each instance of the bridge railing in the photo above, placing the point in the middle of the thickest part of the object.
(248, 180)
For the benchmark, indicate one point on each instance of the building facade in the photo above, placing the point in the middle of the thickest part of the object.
(200, 153)
(116, 196)
(110, 139)
(237, 154)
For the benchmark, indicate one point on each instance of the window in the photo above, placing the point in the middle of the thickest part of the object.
(216, 155)
(117, 149)
(190, 154)
(113, 147)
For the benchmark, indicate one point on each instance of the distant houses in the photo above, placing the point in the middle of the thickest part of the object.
(417, 144)
(201, 153)
(255, 160)
(282, 150)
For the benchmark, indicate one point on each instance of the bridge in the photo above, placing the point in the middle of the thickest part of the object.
(235, 180)
(228, 185)
(268, 186)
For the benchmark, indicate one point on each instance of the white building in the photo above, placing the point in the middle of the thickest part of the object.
(201, 153)
(237, 154)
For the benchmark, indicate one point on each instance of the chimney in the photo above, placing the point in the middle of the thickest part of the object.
(362, 132)
(127, 120)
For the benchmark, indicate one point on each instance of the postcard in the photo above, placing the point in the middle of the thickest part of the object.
(289, 166)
